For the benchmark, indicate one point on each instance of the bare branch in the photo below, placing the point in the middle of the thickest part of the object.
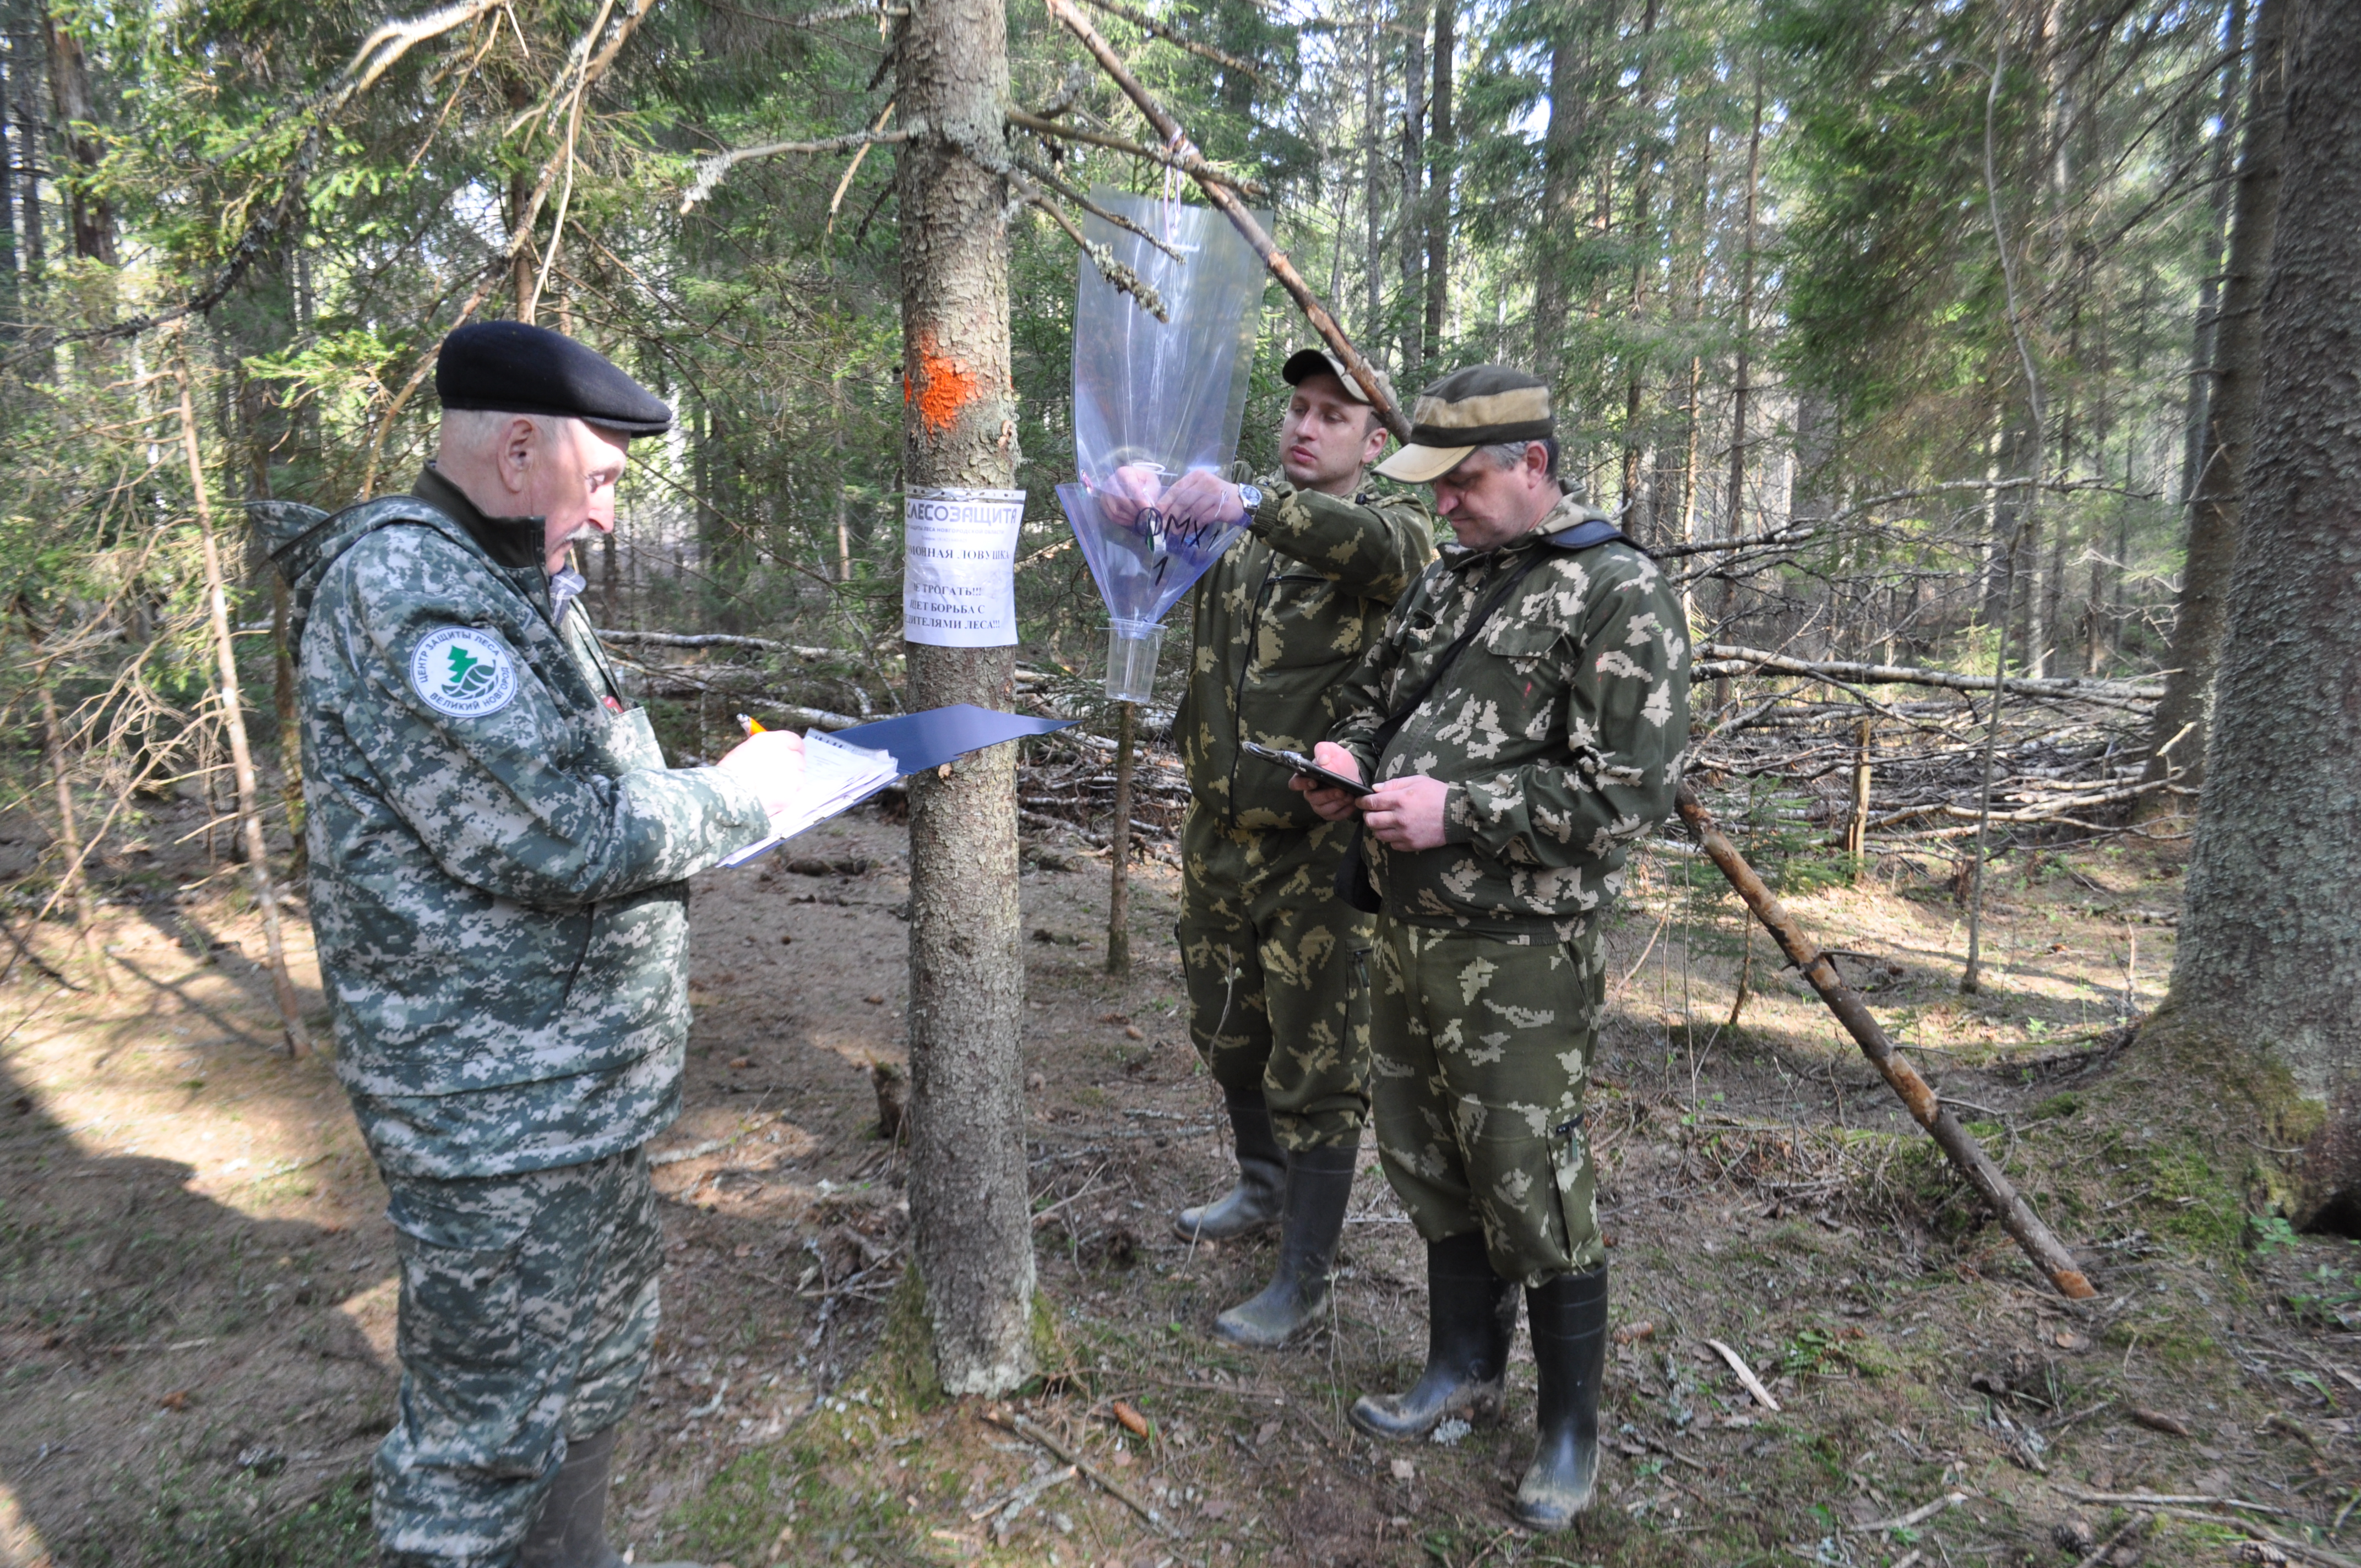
(1747, 661)
(1148, 24)
(1189, 163)
(710, 171)
(1116, 274)
(1084, 202)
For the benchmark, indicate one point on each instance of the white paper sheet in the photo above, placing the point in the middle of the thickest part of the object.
(836, 776)
(958, 567)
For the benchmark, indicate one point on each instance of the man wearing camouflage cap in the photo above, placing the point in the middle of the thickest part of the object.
(1277, 966)
(498, 855)
(1524, 718)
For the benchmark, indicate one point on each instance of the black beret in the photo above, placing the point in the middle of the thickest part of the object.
(511, 369)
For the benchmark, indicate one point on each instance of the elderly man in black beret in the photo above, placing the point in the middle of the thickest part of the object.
(499, 862)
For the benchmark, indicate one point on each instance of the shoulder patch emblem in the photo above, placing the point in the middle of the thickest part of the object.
(463, 671)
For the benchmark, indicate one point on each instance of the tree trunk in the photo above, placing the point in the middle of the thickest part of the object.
(1644, 251)
(10, 82)
(1413, 236)
(2216, 507)
(2271, 944)
(32, 143)
(92, 214)
(249, 803)
(1373, 169)
(255, 403)
(1740, 388)
(2195, 447)
(971, 1229)
(1441, 155)
(1561, 187)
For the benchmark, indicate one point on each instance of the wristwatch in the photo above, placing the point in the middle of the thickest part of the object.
(1250, 498)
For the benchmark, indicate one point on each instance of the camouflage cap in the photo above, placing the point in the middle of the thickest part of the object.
(1305, 363)
(1467, 409)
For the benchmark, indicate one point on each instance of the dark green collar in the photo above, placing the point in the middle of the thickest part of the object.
(512, 542)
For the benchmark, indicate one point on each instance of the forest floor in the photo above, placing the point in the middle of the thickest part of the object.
(197, 1288)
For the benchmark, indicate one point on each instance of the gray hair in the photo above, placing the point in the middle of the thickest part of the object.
(470, 429)
(1508, 454)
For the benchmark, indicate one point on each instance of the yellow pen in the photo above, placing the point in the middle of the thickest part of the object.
(751, 726)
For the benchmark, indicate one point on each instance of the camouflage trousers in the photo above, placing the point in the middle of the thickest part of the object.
(1479, 1054)
(528, 1312)
(1278, 974)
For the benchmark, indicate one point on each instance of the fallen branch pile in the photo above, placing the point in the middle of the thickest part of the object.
(1820, 740)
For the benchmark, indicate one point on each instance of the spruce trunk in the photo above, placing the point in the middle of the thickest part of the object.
(2269, 958)
(2178, 737)
(971, 1230)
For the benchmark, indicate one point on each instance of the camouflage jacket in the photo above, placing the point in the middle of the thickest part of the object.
(498, 851)
(1560, 731)
(1280, 620)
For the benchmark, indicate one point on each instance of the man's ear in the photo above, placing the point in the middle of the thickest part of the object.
(519, 445)
(1375, 447)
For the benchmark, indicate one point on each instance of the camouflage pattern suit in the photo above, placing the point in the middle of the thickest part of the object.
(1274, 961)
(1560, 731)
(497, 853)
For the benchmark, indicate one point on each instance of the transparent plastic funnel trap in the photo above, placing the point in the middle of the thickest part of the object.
(1155, 402)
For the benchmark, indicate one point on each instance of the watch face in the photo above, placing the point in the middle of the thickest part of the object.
(1251, 494)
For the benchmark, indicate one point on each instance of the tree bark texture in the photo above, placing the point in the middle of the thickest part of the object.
(1558, 176)
(249, 801)
(969, 1205)
(92, 215)
(31, 155)
(1442, 160)
(1412, 238)
(10, 82)
(2270, 945)
(2194, 446)
(2215, 507)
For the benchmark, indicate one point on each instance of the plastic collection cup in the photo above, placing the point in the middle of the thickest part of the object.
(1132, 648)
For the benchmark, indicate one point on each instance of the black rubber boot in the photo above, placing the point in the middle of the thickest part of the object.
(571, 1530)
(1254, 1202)
(1568, 1316)
(1319, 1188)
(1470, 1314)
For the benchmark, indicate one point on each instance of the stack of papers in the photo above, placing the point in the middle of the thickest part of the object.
(836, 776)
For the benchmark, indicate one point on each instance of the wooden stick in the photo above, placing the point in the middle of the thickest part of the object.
(1032, 1433)
(1119, 950)
(1746, 1376)
(258, 852)
(1221, 196)
(2015, 1216)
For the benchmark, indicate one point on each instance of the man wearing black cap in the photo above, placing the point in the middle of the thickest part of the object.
(1524, 718)
(498, 857)
(1276, 964)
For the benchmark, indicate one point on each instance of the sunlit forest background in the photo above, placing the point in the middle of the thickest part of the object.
(1915, 299)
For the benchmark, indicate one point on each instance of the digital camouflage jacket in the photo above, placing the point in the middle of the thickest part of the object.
(498, 851)
(1561, 730)
(1280, 619)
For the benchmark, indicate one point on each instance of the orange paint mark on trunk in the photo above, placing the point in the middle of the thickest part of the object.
(941, 386)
